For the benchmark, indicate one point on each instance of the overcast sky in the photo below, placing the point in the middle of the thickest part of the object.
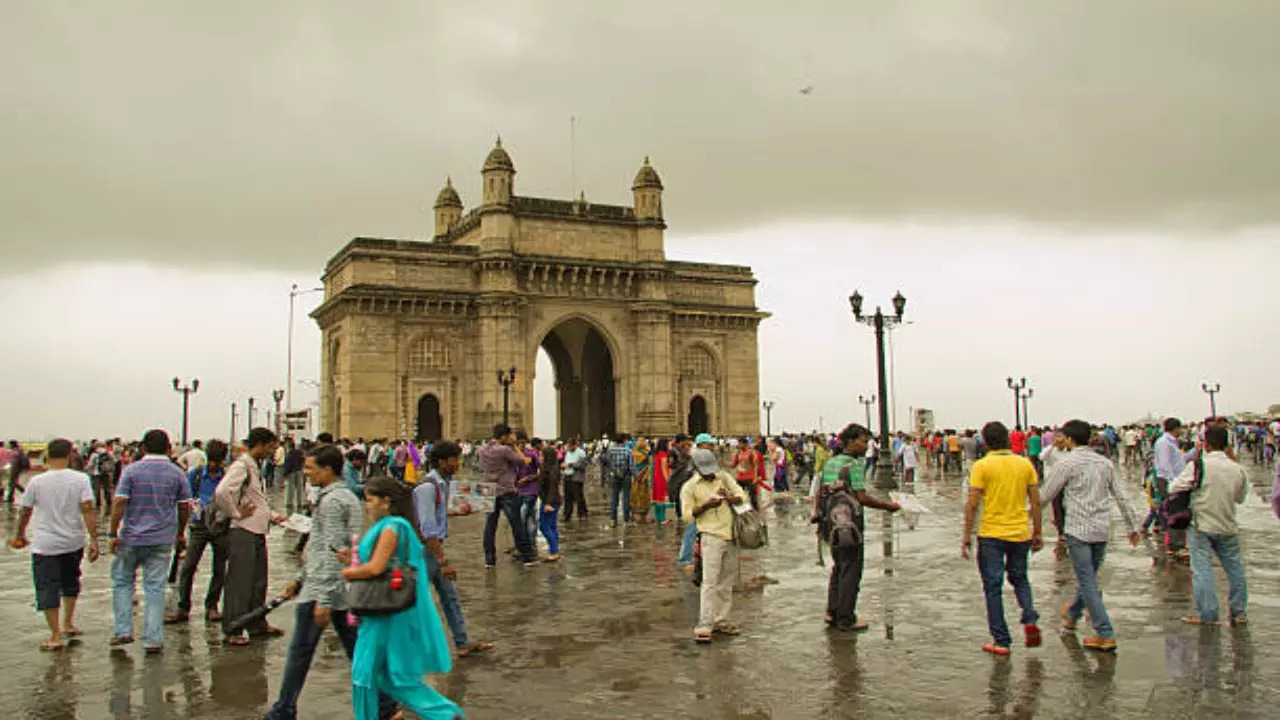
(1085, 193)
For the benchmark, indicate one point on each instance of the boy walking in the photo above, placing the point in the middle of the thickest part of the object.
(1003, 483)
(62, 500)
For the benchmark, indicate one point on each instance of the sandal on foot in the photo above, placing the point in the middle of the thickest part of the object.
(120, 640)
(1194, 620)
(726, 629)
(72, 632)
(1235, 622)
(702, 637)
(995, 649)
(52, 645)
(174, 618)
(1067, 622)
(212, 616)
(474, 648)
(237, 640)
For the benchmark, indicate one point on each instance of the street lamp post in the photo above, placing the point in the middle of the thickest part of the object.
(507, 378)
(277, 396)
(768, 406)
(1213, 391)
(231, 440)
(884, 476)
(866, 404)
(249, 415)
(187, 391)
(288, 383)
(1026, 416)
(1017, 388)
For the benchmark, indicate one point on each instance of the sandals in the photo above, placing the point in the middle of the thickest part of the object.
(72, 632)
(120, 640)
(726, 629)
(52, 645)
(1194, 620)
(474, 648)
(702, 637)
(239, 640)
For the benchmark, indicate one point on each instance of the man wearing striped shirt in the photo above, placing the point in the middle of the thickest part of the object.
(1088, 482)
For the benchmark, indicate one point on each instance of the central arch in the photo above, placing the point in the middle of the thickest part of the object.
(584, 364)
(430, 423)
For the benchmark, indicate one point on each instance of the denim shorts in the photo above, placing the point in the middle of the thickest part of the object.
(56, 577)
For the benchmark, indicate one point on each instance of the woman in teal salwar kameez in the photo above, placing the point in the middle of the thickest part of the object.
(393, 652)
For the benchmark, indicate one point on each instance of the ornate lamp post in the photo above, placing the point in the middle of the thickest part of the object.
(768, 406)
(866, 404)
(1017, 388)
(1212, 390)
(884, 477)
(1026, 416)
(277, 396)
(507, 378)
(187, 391)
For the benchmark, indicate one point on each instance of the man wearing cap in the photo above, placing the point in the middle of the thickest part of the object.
(708, 497)
(681, 474)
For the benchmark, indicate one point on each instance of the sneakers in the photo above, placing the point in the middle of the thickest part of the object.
(1032, 633)
(1101, 644)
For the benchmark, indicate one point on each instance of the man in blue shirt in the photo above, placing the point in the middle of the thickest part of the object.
(153, 503)
(431, 509)
(1169, 460)
(203, 481)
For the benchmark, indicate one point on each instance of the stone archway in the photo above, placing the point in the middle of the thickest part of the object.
(585, 378)
(589, 282)
(698, 420)
(430, 425)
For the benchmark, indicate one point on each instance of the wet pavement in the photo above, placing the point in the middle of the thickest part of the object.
(607, 633)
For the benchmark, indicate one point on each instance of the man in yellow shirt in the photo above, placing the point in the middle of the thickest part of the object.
(707, 498)
(1004, 484)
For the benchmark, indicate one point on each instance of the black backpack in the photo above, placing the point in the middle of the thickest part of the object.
(1177, 507)
(840, 520)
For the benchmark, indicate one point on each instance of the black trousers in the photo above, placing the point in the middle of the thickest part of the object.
(198, 539)
(846, 581)
(575, 495)
(246, 585)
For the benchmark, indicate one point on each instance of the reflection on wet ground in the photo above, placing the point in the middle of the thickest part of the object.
(607, 634)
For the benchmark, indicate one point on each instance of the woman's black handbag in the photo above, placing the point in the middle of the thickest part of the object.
(1177, 507)
(395, 590)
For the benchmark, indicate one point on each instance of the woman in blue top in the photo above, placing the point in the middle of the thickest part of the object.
(393, 652)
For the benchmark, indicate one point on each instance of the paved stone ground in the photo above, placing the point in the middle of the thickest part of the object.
(607, 634)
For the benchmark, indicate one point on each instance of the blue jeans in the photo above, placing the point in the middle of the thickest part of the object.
(620, 488)
(154, 561)
(529, 511)
(1227, 547)
(447, 591)
(686, 543)
(1086, 559)
(547, 523)
(302, 649)
(508, 505)
(996, 558)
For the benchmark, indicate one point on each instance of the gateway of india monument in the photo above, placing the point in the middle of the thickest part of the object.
(416, 333)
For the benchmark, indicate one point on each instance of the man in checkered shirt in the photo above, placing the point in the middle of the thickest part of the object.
(620, 466)
(1088, 483)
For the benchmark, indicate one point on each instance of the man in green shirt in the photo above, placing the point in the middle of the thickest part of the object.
(1035, 443)
(845, 472)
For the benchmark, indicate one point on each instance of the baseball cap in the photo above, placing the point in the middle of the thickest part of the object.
(704, 461)
(703, 438)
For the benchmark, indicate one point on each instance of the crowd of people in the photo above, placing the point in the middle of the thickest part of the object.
(379, 525)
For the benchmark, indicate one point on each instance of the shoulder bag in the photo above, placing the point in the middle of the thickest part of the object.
(749, 529)
(394, 591)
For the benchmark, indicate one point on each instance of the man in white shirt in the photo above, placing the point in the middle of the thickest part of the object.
(63, 501)
(1216, 489)
(193, 458)
(909, 460)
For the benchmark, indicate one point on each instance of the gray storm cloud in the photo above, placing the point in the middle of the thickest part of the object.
(246, 132)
